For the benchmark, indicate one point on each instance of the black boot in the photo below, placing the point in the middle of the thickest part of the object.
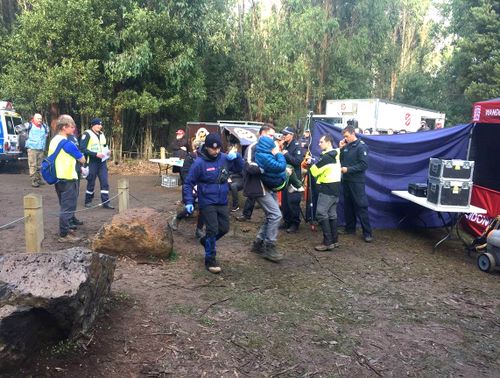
(327, 236)
(334, 231)
(270, 253)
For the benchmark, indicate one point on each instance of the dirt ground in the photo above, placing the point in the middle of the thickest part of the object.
(390, 308)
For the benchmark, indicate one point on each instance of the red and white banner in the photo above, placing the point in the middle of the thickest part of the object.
(487, 199)
(486, 111)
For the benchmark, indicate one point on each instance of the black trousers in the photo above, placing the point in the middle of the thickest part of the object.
(356, 206)
(216, 219)
(248, 208)
(290, 204)
(67, 193)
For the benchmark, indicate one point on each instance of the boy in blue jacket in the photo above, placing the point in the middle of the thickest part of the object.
(210, 174)
(276, 173)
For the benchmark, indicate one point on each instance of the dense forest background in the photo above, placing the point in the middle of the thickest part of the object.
(149, 66)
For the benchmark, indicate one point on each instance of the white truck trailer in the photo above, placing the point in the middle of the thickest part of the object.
(382, 115)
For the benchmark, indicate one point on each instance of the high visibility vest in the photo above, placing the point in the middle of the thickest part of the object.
(65, 163)
(96, 142)
(328, 173)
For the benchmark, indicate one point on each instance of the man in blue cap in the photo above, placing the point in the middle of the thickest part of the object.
(210, 173)
(93, 144)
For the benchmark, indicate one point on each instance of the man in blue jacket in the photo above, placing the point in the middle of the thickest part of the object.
(210, 174)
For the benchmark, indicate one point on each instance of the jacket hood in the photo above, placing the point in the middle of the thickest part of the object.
(265, 145)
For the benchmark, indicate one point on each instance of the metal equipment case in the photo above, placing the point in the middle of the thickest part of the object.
(453, 169)
(449, 192)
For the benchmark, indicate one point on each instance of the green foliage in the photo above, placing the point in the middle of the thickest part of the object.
(156, 62)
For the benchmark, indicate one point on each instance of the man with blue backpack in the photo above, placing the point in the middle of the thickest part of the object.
(35, 144)
(66, 156)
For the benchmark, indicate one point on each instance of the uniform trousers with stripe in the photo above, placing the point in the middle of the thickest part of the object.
(97, 169)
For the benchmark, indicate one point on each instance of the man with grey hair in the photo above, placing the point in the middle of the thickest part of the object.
(35, 144)
(66, 187)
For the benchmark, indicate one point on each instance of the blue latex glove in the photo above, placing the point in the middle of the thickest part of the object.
(231, 156)
(189, 208)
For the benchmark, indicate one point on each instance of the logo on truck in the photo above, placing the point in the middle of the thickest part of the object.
(407, 119)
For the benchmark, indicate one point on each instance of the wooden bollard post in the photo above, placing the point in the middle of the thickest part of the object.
(123, 198)
(162, 153)
(33, 223)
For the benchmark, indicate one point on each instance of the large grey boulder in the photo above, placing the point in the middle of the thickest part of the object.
(47, 297)
(136, 233)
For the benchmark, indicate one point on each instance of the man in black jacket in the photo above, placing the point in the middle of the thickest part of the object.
(290, 197)
(354, 162)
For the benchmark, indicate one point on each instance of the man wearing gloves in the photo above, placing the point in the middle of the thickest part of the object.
(327, 174)
(95, 148)
(210, 174)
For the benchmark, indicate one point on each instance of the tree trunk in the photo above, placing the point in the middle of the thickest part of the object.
(117, 135)
(147, 140)
(54, 115)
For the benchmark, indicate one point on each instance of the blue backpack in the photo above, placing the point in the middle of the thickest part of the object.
(48, 169)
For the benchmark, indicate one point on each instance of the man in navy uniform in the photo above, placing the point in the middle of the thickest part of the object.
(290, 197)
(354, 162)
(93, 144)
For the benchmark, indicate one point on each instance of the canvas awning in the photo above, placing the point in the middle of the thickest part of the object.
(246, 134)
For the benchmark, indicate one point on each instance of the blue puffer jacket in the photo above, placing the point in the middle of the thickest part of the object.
(273, 165)
(206, 174)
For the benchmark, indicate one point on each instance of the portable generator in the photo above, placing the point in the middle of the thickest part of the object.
(490, 260)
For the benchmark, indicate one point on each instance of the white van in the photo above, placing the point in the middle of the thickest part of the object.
(9, 119)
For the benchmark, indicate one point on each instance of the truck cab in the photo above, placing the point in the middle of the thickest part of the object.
(9, 119)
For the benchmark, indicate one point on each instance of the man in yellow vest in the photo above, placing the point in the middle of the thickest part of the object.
(66, 187)
(93, 144)
(327, 174)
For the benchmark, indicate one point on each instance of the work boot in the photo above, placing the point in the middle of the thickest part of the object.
(334, 230)
(174, 222)
(283, 226)
(76, 221)
(199, 233)
(271, 254)
(293, 229)
(258, 246)
(212, 266)
(69, 238)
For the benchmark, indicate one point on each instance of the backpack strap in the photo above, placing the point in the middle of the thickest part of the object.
(59, 147)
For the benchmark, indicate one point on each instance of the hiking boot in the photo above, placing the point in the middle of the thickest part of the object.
(333, 246)
(293, 229)
(108, 206)
(174, 222)
(198, 234)
(344, 231)
(321, 248)
(234, 209)
(213, 267)
(271, 254)
(35, 184)
(88, 204)
(76, 221)
(258, 246)
(283, 226)
(242, 218)
(69, 238)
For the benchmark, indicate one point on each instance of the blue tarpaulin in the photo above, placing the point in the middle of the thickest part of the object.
(394, 162)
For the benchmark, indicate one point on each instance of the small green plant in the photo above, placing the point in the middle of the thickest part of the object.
(173, 256)
(64, 347)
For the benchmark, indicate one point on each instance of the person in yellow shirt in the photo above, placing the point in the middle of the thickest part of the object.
(327, 174)
(66, 187)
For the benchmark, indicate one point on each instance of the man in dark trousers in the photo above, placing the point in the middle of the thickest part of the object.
(290, 200)
(354, 162)
(209, 173)
(94, 146)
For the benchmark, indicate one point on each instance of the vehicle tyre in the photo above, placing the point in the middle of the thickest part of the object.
(486, 262)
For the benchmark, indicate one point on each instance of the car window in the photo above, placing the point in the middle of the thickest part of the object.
(10, 125)
(17, 121)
